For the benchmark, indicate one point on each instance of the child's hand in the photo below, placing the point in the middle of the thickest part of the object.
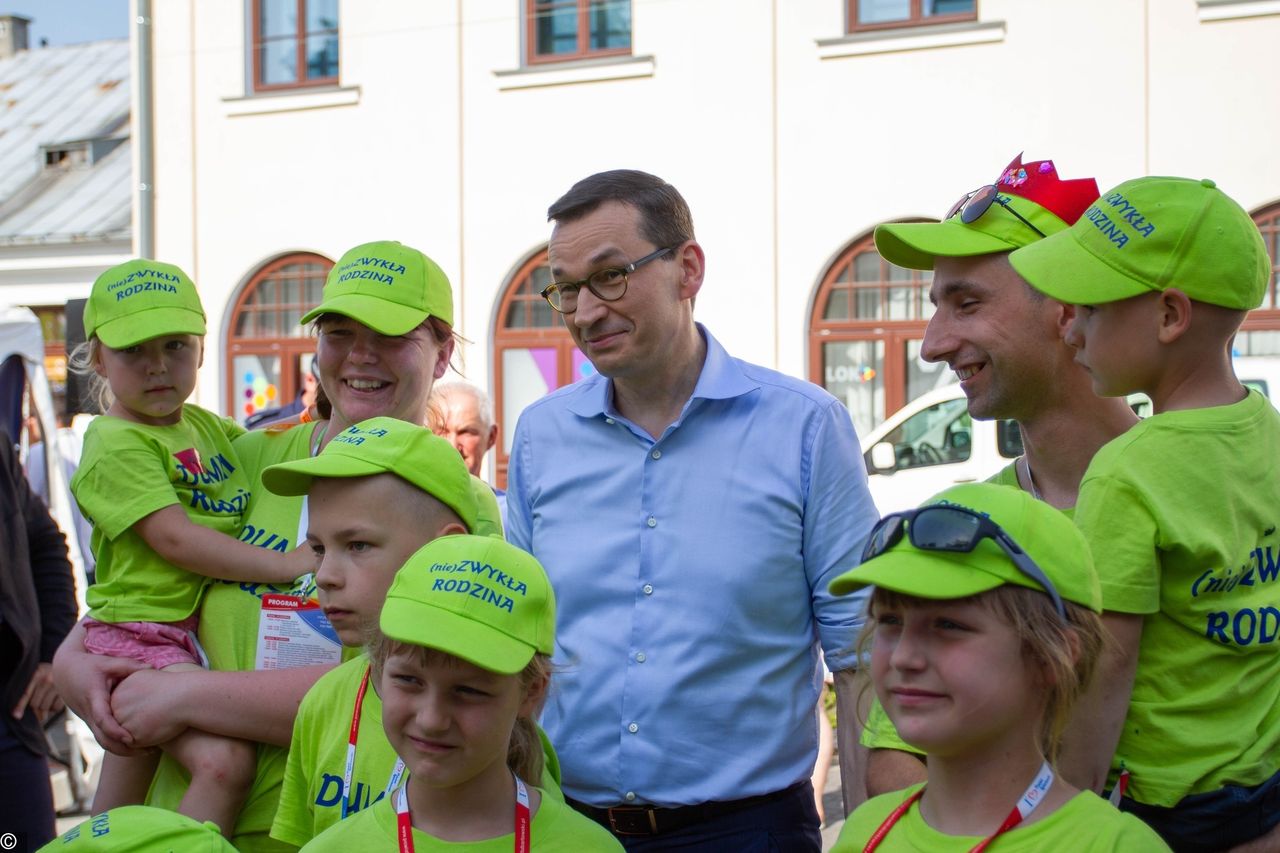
(298, 562)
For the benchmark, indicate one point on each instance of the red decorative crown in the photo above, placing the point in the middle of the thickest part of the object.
(1039, 182)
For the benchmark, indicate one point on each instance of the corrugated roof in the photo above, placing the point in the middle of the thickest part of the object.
(55, 95)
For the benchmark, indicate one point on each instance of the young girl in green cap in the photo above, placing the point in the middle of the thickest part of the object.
(983, 629)
(462, 666)
(165, 493)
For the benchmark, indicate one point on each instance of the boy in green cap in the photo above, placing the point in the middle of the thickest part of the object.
(140, 829)
(1180, 511)
(462, 666)
(376, 493)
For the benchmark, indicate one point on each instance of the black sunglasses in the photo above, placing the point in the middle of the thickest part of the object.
(956, 529)
(973, 205)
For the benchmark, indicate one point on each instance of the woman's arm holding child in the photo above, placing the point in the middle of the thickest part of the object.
(205, 551)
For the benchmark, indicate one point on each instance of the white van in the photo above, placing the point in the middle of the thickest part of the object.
(932, 443)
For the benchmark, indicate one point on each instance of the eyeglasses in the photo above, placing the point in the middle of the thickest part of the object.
(956, 529)
(609, 284)
(973, 205)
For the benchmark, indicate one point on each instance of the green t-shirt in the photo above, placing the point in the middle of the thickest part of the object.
(128, 471)
(311, 800)
(1181, 513)
(1084, 824)
(229, 630)
(555, 828)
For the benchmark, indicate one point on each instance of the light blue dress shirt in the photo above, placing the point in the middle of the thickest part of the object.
(691, 580)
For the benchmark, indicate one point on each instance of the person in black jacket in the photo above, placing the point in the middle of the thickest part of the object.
(37, 609)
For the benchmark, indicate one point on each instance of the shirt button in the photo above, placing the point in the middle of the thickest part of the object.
(630, 796)
(633, 728)
(652, 522)
(609, 421)
(657, 454)
(648, 589)
(640, 657)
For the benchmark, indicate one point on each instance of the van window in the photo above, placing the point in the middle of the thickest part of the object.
(937, 435)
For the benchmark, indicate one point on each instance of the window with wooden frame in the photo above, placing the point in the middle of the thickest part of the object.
(1260, 332)
(533, 354)
(559, 30)
(295, 43)
(268, 352)
(865, 332)
(886, 14)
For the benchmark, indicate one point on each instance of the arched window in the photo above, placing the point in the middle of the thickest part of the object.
(865, 331)
(267, 350)
(532, 352)
(1260, 333)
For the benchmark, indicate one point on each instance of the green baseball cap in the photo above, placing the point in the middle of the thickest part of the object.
(1032, 190)
(474, 597)
(144, 829)
(1150, 234)
(1045, 534)
(385, 446)
(390, 287)
(139, 300)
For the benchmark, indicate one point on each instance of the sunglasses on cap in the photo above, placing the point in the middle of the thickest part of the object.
(954, 529)
(972, 205)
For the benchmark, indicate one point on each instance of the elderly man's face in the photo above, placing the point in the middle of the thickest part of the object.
(1000, 339)
(633, 336)
(462, 426)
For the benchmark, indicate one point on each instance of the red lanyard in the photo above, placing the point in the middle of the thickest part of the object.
(404, 823)
(396, 772)
(1026, 804)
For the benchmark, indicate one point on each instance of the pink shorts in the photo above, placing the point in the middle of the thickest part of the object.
(160, 644)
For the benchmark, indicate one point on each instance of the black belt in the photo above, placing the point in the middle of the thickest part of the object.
(651, 820)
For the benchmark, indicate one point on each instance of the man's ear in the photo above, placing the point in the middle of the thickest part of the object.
(1174, 315)
(693, 267)
(493, 438)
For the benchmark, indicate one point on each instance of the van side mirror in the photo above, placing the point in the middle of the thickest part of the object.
(883, 456)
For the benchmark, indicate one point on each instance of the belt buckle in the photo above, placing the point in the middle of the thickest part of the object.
(633, 820)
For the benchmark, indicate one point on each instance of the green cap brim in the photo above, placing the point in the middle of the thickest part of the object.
(1063, 269)
(933, 574)
(421, 624)
(290, 479)
(383, 316)
(916, 245)
(141, 326)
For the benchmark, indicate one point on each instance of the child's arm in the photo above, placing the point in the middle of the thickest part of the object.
(260, 706)
(1093, 731)
(205, 551)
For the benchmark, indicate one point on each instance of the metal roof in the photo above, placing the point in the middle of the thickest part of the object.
(50, 97)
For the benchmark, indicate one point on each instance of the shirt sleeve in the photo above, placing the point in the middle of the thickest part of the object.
(518, 521)
(293, 822)
(839, 513)
(120, 487)
(1122, 532)
(50, 568)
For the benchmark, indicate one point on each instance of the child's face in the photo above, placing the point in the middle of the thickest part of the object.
(448, 719)
(362, 530)
(1116, 343)
(151, 380)
(953, 677)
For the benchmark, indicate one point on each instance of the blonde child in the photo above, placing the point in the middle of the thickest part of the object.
(1180, 511)
(983, 628)
(376, 493)
(165, 493)
(462, 666)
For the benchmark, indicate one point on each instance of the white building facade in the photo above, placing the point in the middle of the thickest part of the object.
(290, 130)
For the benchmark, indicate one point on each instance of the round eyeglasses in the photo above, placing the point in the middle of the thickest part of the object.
(609, 284)
(973, 205)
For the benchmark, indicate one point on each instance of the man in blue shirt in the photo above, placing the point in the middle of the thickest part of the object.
(690, 509)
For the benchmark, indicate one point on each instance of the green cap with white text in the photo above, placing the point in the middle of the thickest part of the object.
(1045, 534)
(385, 446)
(1033, 190)
(475, 597)
(1150, 234)
(140, 829)
(388, 286)
(139, 300)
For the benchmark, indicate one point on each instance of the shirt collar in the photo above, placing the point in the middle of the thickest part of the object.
(721, 379)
